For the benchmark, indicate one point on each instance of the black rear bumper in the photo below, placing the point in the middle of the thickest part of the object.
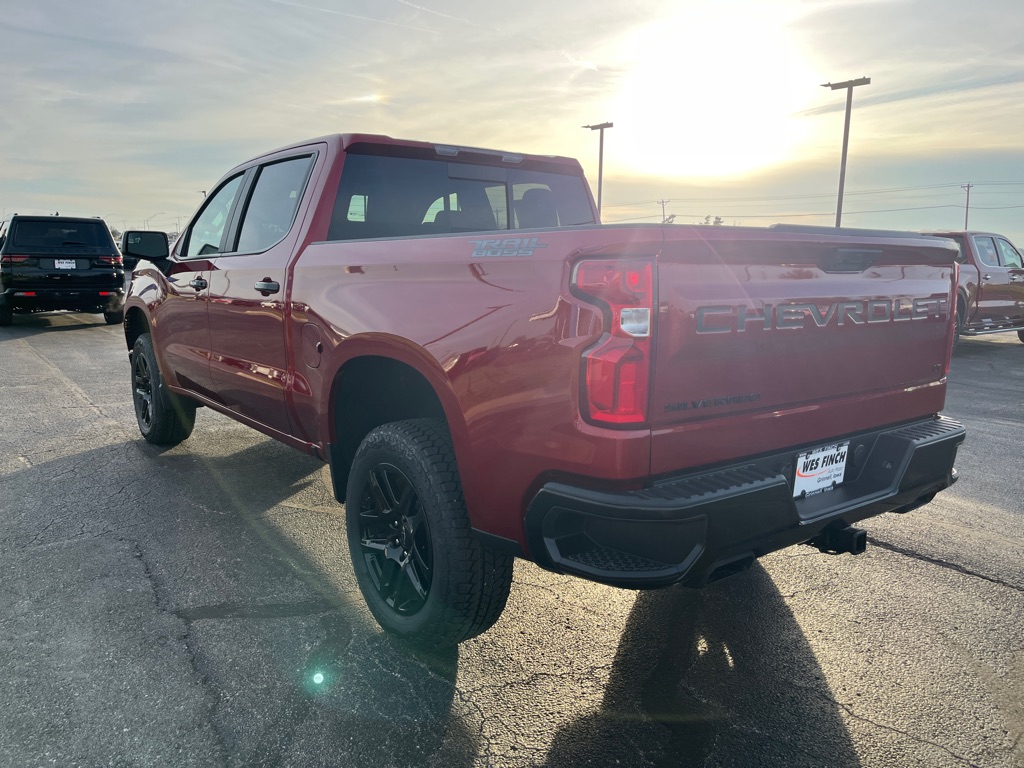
(82, 299)
(697, 527)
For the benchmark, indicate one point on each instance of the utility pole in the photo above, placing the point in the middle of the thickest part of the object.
(849, 85)
(600, 161)
(967, 208)
(663, 203)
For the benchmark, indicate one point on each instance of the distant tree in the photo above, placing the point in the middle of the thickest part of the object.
(116, 233)
(718, 221)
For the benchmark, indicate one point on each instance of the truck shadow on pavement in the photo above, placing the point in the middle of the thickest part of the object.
(721, 676)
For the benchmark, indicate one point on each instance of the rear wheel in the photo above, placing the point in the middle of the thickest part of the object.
(6, 314)
(163, 418)
(114, 318)
(1020, 335)
(423, 573)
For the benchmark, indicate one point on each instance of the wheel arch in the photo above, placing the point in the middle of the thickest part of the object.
(135, 324)
(375, 386)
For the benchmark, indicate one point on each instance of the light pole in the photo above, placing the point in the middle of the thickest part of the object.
(849, 85)
(967, 208)
(600, 162)
(145, 222)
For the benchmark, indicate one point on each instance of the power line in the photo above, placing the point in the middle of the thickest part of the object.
(863, 192)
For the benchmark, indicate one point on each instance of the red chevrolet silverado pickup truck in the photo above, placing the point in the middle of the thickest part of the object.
(492, 374)
(990, 298)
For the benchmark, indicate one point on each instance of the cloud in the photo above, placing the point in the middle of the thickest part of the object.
(958, 83)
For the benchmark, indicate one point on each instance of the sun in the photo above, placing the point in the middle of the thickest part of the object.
(711, 92)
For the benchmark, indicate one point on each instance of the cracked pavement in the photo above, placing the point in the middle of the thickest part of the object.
(195, 606)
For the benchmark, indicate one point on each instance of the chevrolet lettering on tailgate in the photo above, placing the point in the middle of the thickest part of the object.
(739, 318)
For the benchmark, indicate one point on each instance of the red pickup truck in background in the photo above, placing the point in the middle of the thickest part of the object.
(493, 374)
(990, 298)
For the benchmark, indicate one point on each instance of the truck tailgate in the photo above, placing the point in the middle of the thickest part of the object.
(780, 337)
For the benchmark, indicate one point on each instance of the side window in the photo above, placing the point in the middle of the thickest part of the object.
(1008, 255)
(986, 251)
(207, 230)
(273, 203)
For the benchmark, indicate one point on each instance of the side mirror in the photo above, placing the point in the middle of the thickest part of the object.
(137, 245)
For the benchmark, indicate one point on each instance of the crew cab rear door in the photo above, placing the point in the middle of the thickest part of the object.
(249, 359)
(1010, 260)
(995, 293)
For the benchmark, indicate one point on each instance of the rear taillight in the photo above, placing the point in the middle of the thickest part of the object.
(8, 259)
(116, 261)
(616, 374)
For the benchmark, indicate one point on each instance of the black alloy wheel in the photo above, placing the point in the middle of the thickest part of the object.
(163, 418)
(425, 576)
(142, 389)
(395, 540)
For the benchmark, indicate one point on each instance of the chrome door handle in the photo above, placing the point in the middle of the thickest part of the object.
(267, 287)
(986, 277)
(199, 284)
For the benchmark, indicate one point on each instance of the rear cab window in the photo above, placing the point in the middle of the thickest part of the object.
(385, 196)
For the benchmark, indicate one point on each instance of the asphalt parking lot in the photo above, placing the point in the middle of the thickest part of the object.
(195, 606)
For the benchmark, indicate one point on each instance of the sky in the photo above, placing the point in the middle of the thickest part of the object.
(129, 109)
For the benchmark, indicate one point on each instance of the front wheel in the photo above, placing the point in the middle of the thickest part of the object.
(1020, 335)
(423, 573)
(163, 418)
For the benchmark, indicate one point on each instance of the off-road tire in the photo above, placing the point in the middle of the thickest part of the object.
(163, 418)
(405, 502)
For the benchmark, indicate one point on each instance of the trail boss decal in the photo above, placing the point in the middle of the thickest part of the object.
(512, 246)
(775, 317)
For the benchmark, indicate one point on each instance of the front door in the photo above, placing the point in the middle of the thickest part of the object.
(182, 320)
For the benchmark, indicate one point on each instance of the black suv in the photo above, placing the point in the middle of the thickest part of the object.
(60, 262)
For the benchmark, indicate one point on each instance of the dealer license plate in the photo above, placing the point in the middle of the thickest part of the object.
(820, 469)
(65, 263)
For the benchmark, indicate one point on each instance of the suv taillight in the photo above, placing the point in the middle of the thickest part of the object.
(117, 261)
(616, 373)
(8, 259)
